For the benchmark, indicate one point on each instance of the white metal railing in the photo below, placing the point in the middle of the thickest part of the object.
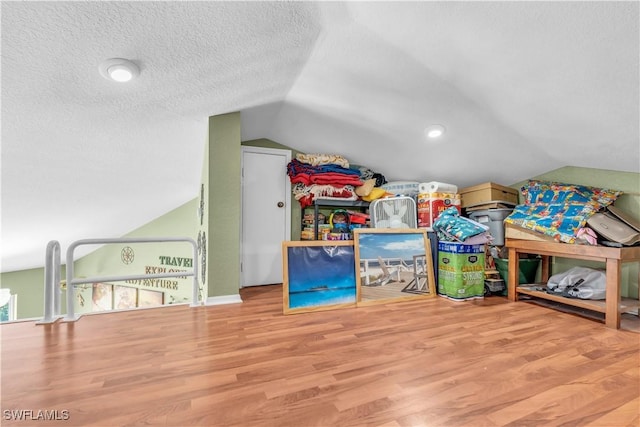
(52, 291)
(71, 281)
(52, 274)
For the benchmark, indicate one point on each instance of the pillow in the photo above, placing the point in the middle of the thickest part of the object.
(555, 193)
(365, 189)
(376, 193)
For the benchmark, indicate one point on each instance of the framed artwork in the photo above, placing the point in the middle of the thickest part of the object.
(9, 308)
(124, 297)
(101, 297)
(149, 298)
(393, 264)
(83, 298)
(318, 275)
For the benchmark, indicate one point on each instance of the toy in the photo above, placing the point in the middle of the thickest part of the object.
(339, 221)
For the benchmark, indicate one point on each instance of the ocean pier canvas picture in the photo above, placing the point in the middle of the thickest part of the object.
(318, 275)
(393, 264)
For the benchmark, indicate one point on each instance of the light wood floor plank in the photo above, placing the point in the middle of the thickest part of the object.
(430, 362)
(627, 415)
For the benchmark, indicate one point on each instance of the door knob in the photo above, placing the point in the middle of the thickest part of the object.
(280, 204)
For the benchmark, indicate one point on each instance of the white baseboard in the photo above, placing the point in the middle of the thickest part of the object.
(224, 299)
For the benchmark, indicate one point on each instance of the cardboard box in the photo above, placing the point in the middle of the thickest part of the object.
(487, 193)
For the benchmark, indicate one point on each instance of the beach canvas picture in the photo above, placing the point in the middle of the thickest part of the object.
(393, 264)
(318, 275)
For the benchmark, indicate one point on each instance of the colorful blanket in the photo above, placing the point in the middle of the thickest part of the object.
(307, 194)
(326, 181)
(559, 210)
(451, 227)
(296, 167)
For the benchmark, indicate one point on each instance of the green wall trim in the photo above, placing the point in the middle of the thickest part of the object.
(223, 199)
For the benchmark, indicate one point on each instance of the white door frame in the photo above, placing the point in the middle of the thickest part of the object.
(287, 195)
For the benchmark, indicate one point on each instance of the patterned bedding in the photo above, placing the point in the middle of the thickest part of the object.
(559, 210)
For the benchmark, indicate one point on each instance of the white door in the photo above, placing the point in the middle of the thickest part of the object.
(266, 214)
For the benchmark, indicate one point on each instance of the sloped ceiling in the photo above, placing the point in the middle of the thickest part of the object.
(522, 88)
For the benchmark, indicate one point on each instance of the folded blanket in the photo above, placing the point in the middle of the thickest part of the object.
(336, 179)
(450, 226)
(295, 167)
(322, 159)
(307, 194)
(322, 180)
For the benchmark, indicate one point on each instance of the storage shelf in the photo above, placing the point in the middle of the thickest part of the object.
(342, 203)
(613, 259)
(535, 290)
(337, 203)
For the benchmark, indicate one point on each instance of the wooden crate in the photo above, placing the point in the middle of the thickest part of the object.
(486, 193)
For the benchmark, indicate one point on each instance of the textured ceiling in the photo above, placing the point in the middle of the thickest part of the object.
(522, 87)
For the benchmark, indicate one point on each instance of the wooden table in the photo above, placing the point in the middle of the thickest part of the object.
(612, 257)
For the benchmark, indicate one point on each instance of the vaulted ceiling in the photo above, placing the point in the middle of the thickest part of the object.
(522, 88)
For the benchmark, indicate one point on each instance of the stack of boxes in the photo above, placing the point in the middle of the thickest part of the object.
(434, 198)
(308, 226)
(489, 204)
(488, 196)
(467, 271)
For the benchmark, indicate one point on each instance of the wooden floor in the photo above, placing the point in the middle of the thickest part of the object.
(431, 362)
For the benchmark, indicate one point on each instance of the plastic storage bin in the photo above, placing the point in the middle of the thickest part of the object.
(407, 188)
(494, 219)
(528, 269)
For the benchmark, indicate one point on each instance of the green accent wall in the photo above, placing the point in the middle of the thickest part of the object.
(107, 260)
(28, 285)
(223, 200)
(628, 182)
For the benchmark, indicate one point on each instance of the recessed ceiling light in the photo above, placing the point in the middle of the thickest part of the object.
(119, 70)
(434, 131)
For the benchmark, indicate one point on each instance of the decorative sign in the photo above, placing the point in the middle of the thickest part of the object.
(127, 255)
(169, 283)
(203, 259)
(201, 208)
(177, 261)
